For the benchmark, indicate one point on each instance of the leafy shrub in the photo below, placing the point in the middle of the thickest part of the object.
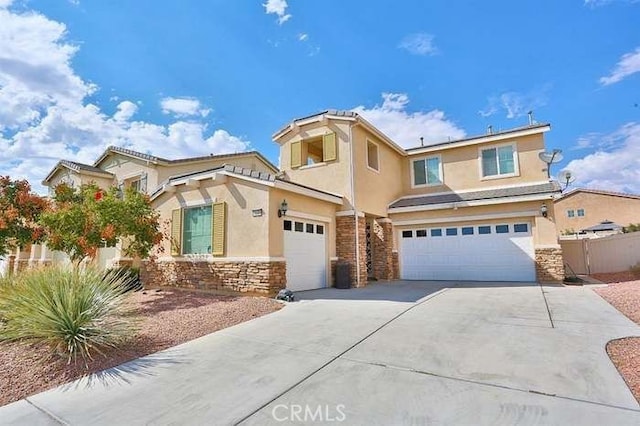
(73, 311)
(633, 227)
(129, 275)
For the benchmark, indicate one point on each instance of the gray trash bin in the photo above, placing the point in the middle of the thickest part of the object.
(343, 275)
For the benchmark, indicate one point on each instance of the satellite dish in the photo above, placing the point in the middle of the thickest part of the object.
(566, 177)
(554, 156)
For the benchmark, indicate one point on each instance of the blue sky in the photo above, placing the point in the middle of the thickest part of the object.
(186, 78)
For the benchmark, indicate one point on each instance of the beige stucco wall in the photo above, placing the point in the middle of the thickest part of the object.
(311, 210)
(125, 167)
(597, 208)
(67, 176)
(246, 236)
(375, 190)
(333, 176)
(543, 229)
(462, 166)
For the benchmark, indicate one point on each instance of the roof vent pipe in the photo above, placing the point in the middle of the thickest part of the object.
(421, 141)
(530, 114)
(489, 129)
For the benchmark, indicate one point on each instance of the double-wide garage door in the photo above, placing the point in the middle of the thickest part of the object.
(306, 255)
(469, 252)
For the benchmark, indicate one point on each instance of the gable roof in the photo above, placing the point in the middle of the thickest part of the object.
(597, 192)
(263, 178)
(336, 114)
(164, 161)
(487, 194)
(76, 167)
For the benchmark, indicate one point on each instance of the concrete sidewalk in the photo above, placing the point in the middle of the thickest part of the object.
(392, 353)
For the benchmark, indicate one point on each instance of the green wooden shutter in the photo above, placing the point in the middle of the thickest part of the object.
(176, 232)
(329, 150)
(219, 227)
(296, 154)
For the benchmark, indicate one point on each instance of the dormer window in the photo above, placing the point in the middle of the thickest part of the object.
(499, 161)
(313, 150)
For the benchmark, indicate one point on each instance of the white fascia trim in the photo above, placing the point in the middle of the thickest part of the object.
(308, 216)
(474, 218)
(373, 129)
(296, 124)
(465, 191)
(209, 258)
(492, 201)
(348, 213)
(485, 139)
(286, 186)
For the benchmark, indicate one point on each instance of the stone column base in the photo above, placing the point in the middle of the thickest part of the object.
(549, 265)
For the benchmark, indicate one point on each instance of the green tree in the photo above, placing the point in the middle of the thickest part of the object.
(83, 220)
(19, 212)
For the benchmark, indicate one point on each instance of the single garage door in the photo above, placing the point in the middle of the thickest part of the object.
(305, 252)
(469, 252)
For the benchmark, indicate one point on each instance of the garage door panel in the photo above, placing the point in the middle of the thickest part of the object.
(482, 257)
(305, 254)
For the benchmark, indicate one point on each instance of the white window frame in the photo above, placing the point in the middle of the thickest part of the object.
(516, 165)
(571, 213)
(440, 171)
(369, 141)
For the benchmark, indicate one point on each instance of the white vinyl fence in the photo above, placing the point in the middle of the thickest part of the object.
(615, 253)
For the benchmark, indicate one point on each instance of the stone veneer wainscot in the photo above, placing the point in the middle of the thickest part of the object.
(248, 277)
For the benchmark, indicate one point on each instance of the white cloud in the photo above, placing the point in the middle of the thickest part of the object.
(278, 8)
(596, 3)
(5, 3)
(46, 115)
(615, 165)
(516, 104)
(628, 64)
(406, 128)
(419, 44)
(183, 107)
(303, 36)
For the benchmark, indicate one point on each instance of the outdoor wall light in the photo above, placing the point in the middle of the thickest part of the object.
(543, 210)
(283, 208)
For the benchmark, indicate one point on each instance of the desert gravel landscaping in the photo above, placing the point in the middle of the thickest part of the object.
(167, 318)
(625, 353)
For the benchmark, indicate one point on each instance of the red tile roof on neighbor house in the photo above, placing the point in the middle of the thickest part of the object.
(598, 192)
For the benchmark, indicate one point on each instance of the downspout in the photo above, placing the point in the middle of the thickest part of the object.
(353, 201)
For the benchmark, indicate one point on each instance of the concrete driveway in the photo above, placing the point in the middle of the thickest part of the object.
(416, 353)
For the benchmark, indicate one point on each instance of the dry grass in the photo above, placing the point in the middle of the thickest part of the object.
(167, 318)
(624, 353)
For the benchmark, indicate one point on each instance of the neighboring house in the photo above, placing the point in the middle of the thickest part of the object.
(582, 208)
(472, 209)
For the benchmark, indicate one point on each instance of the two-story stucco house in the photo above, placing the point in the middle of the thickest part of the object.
(479, 208)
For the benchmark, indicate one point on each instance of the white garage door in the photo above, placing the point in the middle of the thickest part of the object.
(305, 252)
(470, 252)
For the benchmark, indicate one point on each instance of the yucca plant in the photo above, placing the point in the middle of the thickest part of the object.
(74, 311)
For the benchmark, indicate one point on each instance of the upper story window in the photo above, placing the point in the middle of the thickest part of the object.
(499, 161)
(427, 171)
(580, 212)
(373, 161)
(314, 150)
(571, 213)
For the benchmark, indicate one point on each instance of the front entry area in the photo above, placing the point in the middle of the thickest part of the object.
(305, 251)
(468, 252)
